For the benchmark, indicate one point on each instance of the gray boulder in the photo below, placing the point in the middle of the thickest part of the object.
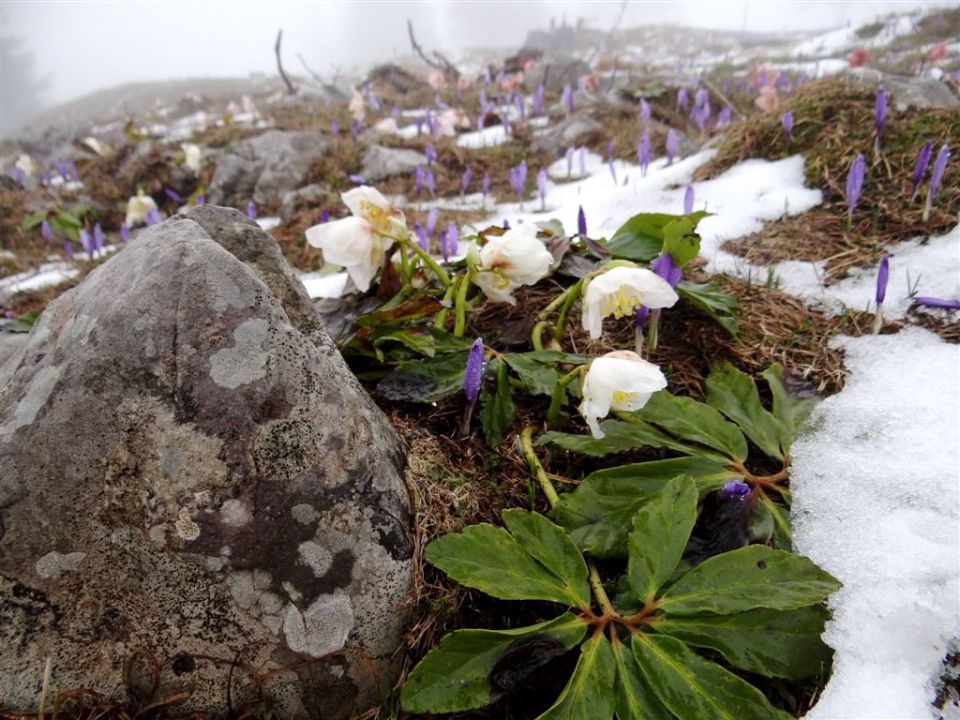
(380, 163)
(308, 195)
(907, 92)
(195, 493)
(264, 167)
(557, 138)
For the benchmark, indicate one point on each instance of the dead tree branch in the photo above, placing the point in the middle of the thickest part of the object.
(440, 63)
(606, 40)
(291, 88)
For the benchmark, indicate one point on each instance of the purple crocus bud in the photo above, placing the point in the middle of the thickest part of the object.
(45, 232)
(664, 267)
(880, 113)
(883, 274)
(418, 179)
(613, 170)
(482, 96)
(153, 217)
(419, 122)
(569, 161)
(173, 195)
(200, 200)
(937, 303)
(395, 113)
(124, 233)
(431, 154)
(251, 210)
(485, 186)
(431, 221)
(542, 187)
(68, 250)
(86, 242)
(431, 185)
(354, 130)
(18, 177)
(683, 99)
(939, 167)
(521, 107)
(474, 374)
(422, 239)
(688, 198)
(642, 312)
(357, 179)
(926, 152)
(453, 238)
(522, 174)
(703, 114)
(63, 169)
(538, 99)
(673, 142)
(735, 490)
(582, 157)
(855, 183)
(701, 98)
(506, 224)
(324, 217)
(567, 98)
(98, 237)
(334, 127)
(725, 116)
(581, 222)
(643, 107)
(787, 122)
(480, 122)
(444, 250)
(644, 151)
(441, 105)
(465, 180)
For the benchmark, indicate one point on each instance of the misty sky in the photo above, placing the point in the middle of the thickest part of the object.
(84, 45)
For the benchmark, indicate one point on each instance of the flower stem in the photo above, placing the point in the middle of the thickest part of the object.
(430, 262)
(565, 309)
(447, 298)
(460, 307)
(536, 335)
(596, 585)
(559, 395)
(533, 462)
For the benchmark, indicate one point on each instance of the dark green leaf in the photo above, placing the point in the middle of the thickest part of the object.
(552, 356)
(491, 560)
(599, 513)
(692, 421)
(791, 412)
(695, 688)
(408, 311)
(552, 547)
(454, 675)
(537, 378)
(766, 642)
(419, 341)
(661, 529)
(33, 220)
(497, 411)
(780, 515)
(426, 380)
(621, 436)
(750, 577)
(714, 302)
(639, 238)
(734, 393)
(635, 700)
(589, 694)
(681, 241)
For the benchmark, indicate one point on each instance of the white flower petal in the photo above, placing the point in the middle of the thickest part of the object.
(352, 243)
(138, 207)
(496, 287)
(618, 381)
(619, 292)
(369, 203)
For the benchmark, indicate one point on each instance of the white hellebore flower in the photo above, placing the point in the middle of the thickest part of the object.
(619, 380)
(25, 164)
(619, 292)
(356, 107)
(138, 207)
(358, 243)
(513, 259)
(192, 157)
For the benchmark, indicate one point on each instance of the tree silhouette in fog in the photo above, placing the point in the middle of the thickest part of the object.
(21, 88)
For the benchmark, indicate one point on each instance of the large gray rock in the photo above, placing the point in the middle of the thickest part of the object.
(189, 472)
(557, 138)
(921, 93)
(380, 163)
(264, 167)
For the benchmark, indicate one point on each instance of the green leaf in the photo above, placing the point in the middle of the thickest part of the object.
(454, 675)
(639, 238)
(766, 642)
(33, 220)
(713, 301)
(780, 515)
(599, 513)
(661, 529)
(734, 393)
(497, 411)
(749, 577)
(553, 548)
(789, 411)
(589, 694)
(694, 688)
(426, 380)
(687, 419)
(417, 340)
(403, 314)
(552, 356)
(634, 698)
(491, 560)
(537, 378)
(622, 436)
(681, 241)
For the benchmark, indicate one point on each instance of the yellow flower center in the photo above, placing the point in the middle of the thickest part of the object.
(619, 304)
(620, 397)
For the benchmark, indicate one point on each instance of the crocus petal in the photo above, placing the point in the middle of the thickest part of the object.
(474, 373)
(352, 243)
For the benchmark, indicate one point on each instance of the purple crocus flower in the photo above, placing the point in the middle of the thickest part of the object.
(936, 177)
(506, 224)
(453, 239)
(124, 233)
(63, 169)
(926, 152)
(538, 96)
(688, 198)
(937, 303)
(581, 222)
(419, 122)
(569, 161)
(45, 232)
(98, 237)
(883, 274)
(173, 195)
(444, 251)
(441, 105)
(582, 157)
(18, 177)
(521, 106)
(431, 221)
(474, 374)
(683, 99)
(613, 170)
(735, 490)
(200, 200)
(724, 118)
(395, 113)
(357, 179)
(664, 267)
(334, 127)
(431, 185)
(153, 217)
(354, 130)
(673, 142)
(422, 239)
(431, 154)
(324, 216)
(465, 181)
(542, 188)
(701, 98)
(86, 242)
(567, 98)
(68, 250)
(251, 210)
(855, 183)
(643, 151)
(880, 114)
(418, 179)
(787, 122)
(485, 186)
(641, 315)
(643, 107)
(702, 115)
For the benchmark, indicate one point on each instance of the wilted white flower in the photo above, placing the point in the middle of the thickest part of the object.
(619, 380)
(192, 157)
(138, 207)
(513, 259)
(619, 292)
(358, 243)
(24, 164)
(95, 145)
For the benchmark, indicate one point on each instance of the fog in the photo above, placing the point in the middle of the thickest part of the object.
(79, 47)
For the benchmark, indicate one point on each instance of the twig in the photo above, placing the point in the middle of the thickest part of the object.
(441, 63)
(291, 88)
(603, 44)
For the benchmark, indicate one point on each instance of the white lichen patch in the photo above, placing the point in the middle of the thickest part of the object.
(321, 629)
(245, 362)
(158, 534)
(233, 513)
(185, 526)
(34, 398)
(315, 556)
(53, 564)
(241, 588)
(304, 513)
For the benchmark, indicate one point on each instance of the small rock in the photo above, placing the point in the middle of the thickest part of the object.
(380, 163)
(556, 139)
(907, 92)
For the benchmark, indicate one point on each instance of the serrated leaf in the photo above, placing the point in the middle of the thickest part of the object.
(694, 688)
(680, 240)
(497, 411)
(696, 422)
(491, 560)
(734, 393)
(714, 302)
(552, 547)
(537, 378)
(454, 675)
(750, 577)
(767, 642)
(599, 513)
(661, 528)
(621, 436)
(789, 411)
(589, 694)
(633, 697)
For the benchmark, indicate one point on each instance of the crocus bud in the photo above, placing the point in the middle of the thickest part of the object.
(880, 113)
(465, 180)
(431, 221)
(98, 237)
(672, 143)
(422, 240)
(688, 198)
(251, 210)
(474, 374)
(453, 238)
(581, 222)
(582, 157)
(418, 179)
(542, 187)
(643, 151)
(883, 274)
(855, 183)
(124, 233)
(939, 167)
(643, 108)
(68, 249)
(431, 184)
(569, 161)
(45, 232)
(787, 122)
(926, 152)
(86, 242)
(683, 99)
(736, 490)
(937, 303)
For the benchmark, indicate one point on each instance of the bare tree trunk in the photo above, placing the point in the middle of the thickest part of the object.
(441, 63)
(291, 88)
